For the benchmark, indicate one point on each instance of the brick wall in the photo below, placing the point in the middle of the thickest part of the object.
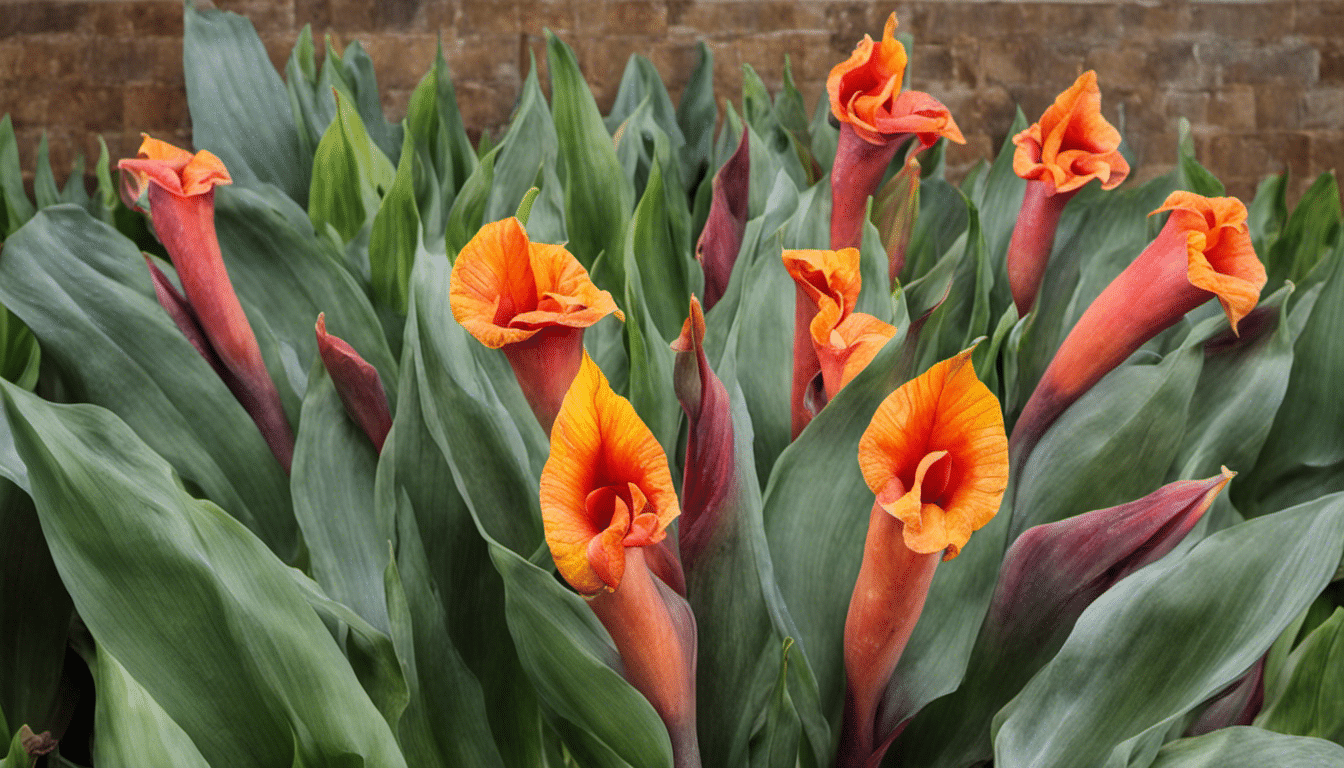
(1261, 82)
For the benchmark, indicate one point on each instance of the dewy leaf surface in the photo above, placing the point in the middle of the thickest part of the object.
(236, 647)
(1165, 639)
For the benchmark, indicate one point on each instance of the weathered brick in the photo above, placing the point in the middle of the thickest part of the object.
(401, 60)
(1327, 151)
(39, 17)
(87, 108)
(1233, 108)
(634, 18)
(484, 17)
(1243, 20)
(1323, 108)
(1244, 61)
(1279, 106)
(154, 108)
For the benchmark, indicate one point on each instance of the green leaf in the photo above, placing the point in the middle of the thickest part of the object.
(357, 72)
(35, 613)
(1267, 213)
(395, 234)
(650, 383)
(1311, 232)
(236, 647)
(310, 99)
(446, 609)
(1113, 445)
(349, 174)
(332, 484)
(696, 116)
(1310, 702)
(285, 274)
(239, 107)
(1246, 747)
(468, 211)
(86, 294)
(1241, 385)
(1194, 176)
(44, 181)
(14, 202)
(529, 146)
(133, 729)
(18, 756)
(1176, 633)
(1303, 451)
(598, 197)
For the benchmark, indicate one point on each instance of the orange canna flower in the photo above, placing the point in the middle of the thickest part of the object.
(606, 501)
(865, 93)
(830, 338)
(936, 456)
(1204, 250)
(1071, 145)
(876, 117)
(606, 485)
(532, 300)
(181, 188)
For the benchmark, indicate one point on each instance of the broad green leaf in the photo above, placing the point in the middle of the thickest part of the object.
(942, 218)
(285, 274)
(777, 745)
(468, 211)
(650, 383)
(1194, 176)
(961, 312)
(239, 107)
(697, 115)
(236, 647)
(1113, 445)
(570, 660)
(332, 484)
(1241, 385)
(1310, 233)
(1311, 702)
(85, 292)
(1267, 213)
(17, 756)
(357, 72)
(639, 82)
(598, 197)
(35, 613)
(350, 174)
(446, 608)
(133, 729)
(1175, 632)
(310, 98)
(395, 234)
(44, 181)
(998, 198)
(1246, 747)
(14, 202)
(530, 144)
(1301, 455)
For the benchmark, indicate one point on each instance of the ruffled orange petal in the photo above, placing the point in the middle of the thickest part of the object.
(937, 456)
(853, 343)
(1221, 257)
(173, 168)
(504, 288)
(921, 114)
(1072, 144)
(831, 279)
(863, 84)
(605, 486)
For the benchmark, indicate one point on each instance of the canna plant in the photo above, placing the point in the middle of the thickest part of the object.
(400, 450)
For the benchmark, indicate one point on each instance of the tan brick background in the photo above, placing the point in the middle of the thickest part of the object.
(1262, 82)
